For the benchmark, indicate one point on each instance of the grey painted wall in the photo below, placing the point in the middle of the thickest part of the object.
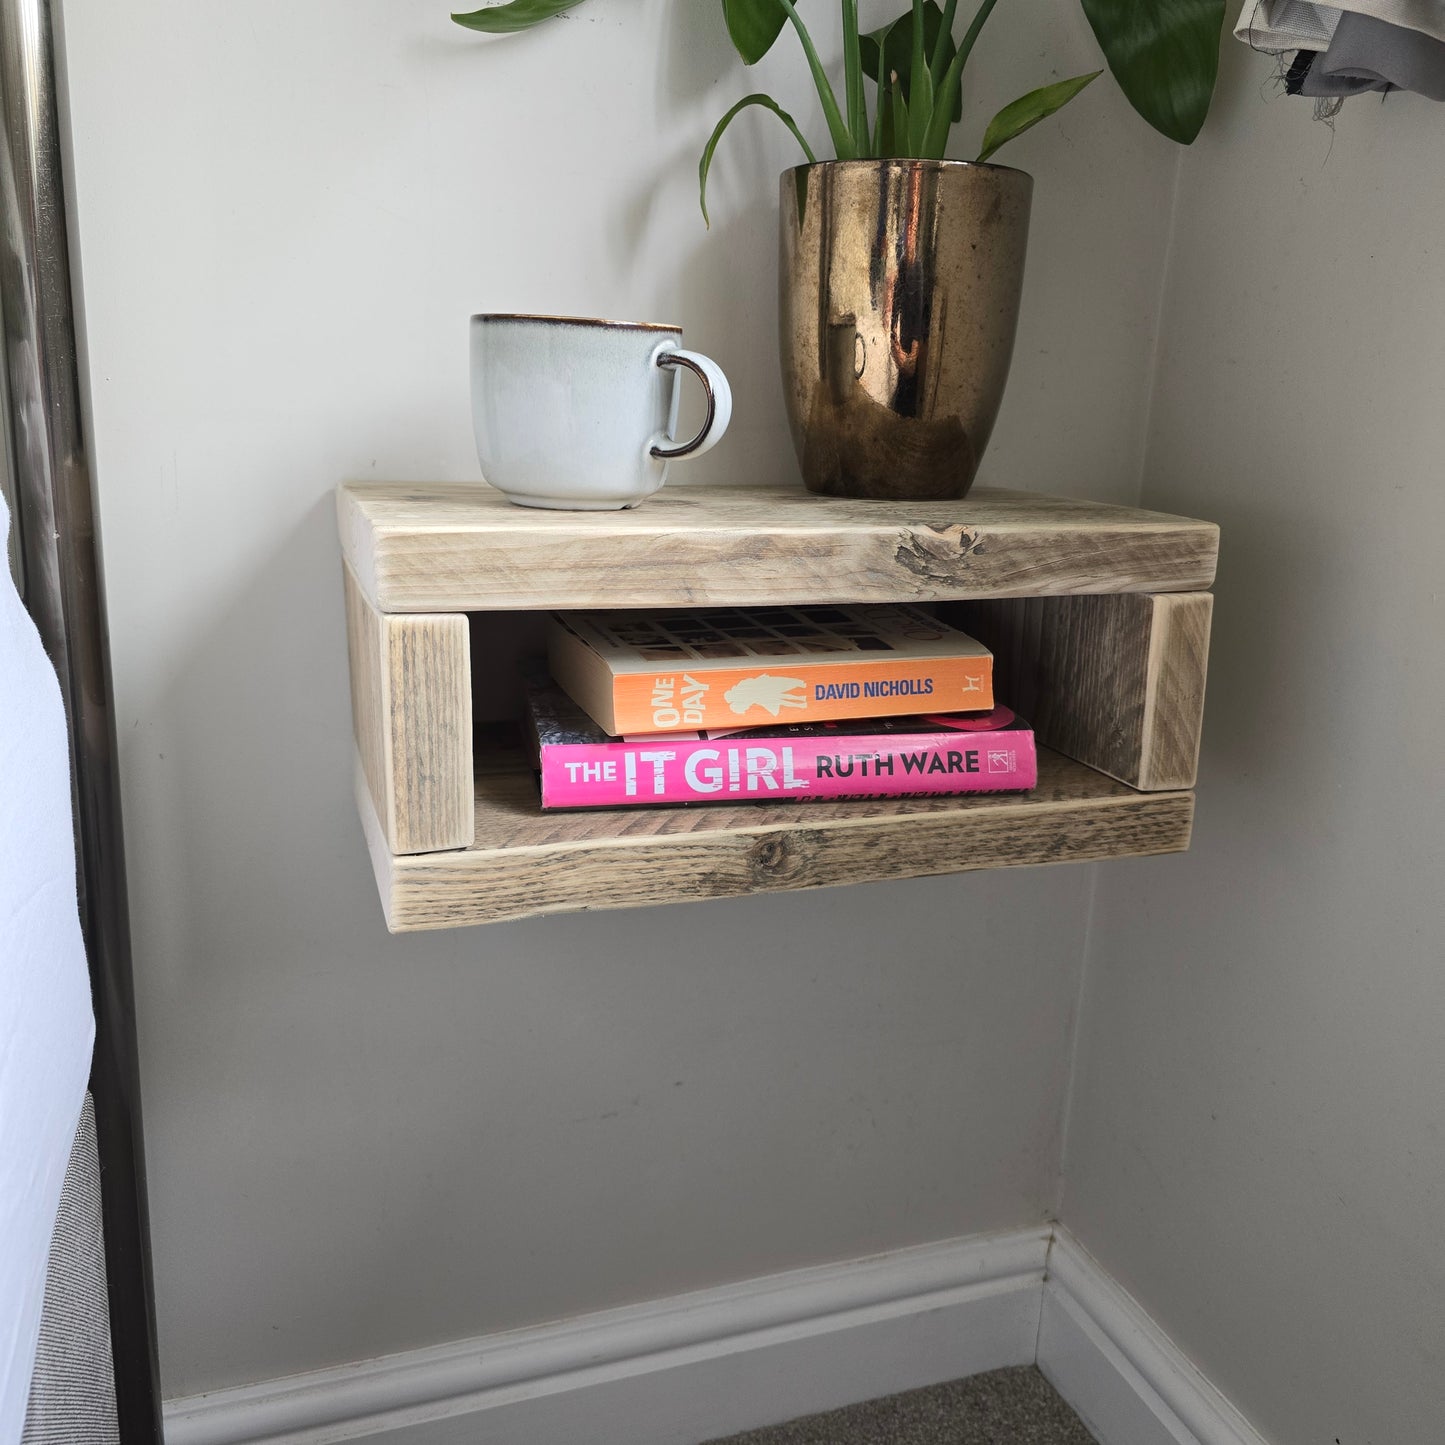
(1257, 1138)
(360, 1144)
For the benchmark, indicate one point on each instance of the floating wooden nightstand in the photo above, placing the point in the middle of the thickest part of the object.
(1097, 615)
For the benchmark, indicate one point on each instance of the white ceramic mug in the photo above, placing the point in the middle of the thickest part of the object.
(581, 414)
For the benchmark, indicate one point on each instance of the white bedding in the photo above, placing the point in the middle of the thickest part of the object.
(46, 1025)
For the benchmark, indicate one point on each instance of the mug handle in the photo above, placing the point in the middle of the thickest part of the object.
(719, 404)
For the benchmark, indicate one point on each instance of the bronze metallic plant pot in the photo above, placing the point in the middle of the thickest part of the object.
(900, 285)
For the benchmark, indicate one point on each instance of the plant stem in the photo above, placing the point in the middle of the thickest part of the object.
(900, 120)
(882, 103)
(853, 77)
(920, 98)
(984, 11)
(937, 139)
(940, 49)
(842, 136)
(918, 58)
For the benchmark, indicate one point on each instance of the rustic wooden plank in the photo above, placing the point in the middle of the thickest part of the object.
(411, 708)
(1116, 682)
(1178, 670)
(526, 863)
(460, 548)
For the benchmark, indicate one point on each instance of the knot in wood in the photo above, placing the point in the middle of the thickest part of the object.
(775, 857)
(937, 554)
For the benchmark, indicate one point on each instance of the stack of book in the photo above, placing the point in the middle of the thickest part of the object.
(764, 704)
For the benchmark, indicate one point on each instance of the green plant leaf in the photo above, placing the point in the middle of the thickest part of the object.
(518, 15)
(1165, 56)
(753, 26)
(705, 164)
(892, 46)
(1028, 110)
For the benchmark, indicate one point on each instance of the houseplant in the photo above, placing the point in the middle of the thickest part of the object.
(901, 271)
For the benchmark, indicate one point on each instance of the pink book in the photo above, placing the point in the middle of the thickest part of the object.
(582, 767)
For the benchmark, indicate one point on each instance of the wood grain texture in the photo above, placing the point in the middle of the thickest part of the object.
(526, 863)
(461, 548)
(411, 708)
(1178, 672)
(1116, 682)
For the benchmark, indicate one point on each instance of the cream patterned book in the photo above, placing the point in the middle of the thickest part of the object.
(657, 672)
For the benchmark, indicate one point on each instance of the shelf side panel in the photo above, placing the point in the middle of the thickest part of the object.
(411, 704)
(1178, 669)
(1116, 682)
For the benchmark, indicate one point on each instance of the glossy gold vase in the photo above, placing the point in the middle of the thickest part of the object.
(900, 285)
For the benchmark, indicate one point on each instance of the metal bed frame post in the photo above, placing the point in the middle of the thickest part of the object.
(55, 520)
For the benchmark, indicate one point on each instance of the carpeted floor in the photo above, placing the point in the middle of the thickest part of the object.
(1005, 1407)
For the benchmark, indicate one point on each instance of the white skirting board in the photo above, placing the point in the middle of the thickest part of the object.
(702, 1365)
(1124, 1377)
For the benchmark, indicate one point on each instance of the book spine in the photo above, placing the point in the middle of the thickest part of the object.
(734, 770)
(798, 692)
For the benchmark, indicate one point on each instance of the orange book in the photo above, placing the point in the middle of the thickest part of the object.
(642, 672)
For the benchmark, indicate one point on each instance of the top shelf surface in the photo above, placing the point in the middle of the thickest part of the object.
(459, 547)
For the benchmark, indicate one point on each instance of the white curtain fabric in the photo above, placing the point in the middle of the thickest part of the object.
(46, 1025)
(1277, 26)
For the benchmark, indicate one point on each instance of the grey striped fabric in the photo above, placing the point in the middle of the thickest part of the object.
(72, 1393)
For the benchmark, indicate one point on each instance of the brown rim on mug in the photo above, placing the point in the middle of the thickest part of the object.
(575, 321)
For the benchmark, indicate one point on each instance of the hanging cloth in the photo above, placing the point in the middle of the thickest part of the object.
(1277, 26)
(1367, 54)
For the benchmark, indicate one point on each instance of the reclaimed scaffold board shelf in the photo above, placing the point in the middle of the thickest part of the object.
(1098, 616)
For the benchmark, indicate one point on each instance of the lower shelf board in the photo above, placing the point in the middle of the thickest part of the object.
(526, 863)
